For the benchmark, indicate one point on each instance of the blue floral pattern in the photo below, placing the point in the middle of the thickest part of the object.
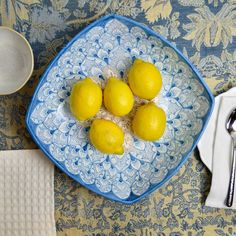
(177, 208)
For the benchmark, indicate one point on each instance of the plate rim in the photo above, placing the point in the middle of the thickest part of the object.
(55, 59)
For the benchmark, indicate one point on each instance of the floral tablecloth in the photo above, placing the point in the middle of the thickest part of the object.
(205, 31)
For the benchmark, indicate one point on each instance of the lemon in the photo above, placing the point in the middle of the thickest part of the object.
(149, 122)
(118, 98)
(144, 79)
(85, 99)
(107, 136)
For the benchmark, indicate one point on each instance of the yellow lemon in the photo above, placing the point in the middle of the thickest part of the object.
(144, 79)
(149, 122)
(85, 99)
(107, 136)
(118, 98)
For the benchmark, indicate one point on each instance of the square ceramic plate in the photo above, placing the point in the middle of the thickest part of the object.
(108, 47)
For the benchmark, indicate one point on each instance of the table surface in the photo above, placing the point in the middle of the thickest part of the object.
(205, 31)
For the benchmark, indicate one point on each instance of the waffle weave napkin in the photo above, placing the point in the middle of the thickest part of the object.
(26, 194)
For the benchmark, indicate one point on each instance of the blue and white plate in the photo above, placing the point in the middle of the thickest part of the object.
(108, 47)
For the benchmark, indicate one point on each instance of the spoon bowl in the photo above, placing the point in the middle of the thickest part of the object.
(231, 123)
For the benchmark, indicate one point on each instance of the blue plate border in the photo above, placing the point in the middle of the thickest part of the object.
(75, 177)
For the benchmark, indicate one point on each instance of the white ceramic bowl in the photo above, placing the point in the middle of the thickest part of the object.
(16, 61)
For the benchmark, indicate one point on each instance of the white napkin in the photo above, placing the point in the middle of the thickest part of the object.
(215, 149)
(26, 194)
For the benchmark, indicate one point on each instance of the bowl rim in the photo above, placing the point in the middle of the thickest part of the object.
(60, 166)
(31, 55)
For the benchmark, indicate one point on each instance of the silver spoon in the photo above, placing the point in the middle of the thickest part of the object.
(231, 128)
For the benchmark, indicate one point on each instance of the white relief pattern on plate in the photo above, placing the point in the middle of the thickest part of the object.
(101, 52)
